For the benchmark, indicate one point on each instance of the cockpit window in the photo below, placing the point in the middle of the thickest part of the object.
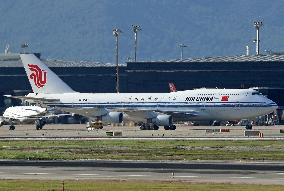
(256, 93)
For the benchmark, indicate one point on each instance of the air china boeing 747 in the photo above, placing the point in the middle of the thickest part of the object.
(151, 109)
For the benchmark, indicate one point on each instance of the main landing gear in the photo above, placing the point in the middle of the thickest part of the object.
(149, 126)
(12, 127)
(248, 126)
(39, 123)
(171, 127)
(152, 126)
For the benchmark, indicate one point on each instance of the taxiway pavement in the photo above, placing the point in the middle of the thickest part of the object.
(209, 172)
(79, 131)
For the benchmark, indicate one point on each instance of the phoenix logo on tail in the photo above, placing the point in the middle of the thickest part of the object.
(38, 75)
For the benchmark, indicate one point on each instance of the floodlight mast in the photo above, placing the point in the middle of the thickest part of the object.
(136, 29)
(257, 25)
(181, 50)
(24, 47)
(116, 32)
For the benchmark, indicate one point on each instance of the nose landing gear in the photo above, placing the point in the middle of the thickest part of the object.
(39, 123)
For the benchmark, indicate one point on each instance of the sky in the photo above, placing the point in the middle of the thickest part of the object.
(82, 29)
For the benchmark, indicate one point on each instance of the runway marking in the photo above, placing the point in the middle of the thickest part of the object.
(35, 173)
(86, 174)
(280, 173)
(136, 175)
(106, 177)
(242, 177)
(186, 176)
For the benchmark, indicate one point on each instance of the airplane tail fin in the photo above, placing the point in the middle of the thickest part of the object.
(41, 78)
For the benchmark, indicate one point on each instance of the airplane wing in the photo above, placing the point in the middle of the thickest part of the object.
(190, 113)
(90, 112)
(38, 101)
(32, 98)
(140, 115)
(93, 112)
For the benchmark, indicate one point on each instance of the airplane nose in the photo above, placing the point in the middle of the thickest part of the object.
(275, 106)
(272, 104)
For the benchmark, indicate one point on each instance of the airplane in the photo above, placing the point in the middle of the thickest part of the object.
(151, 109)
(23, 114)
(28, 114)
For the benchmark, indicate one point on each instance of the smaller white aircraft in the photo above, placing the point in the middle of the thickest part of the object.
(25, 114)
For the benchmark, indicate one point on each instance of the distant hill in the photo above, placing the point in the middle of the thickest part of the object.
(82, 29)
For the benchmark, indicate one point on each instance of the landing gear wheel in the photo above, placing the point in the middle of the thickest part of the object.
(166, 127)
(156, 127)
(249, 126)
(147, 126)
(39, 124)
(216, 123)
(173, 127)
(12, 127)
(143, 127)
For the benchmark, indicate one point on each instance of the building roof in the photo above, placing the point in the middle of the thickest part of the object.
(13, 60)
(240, 58)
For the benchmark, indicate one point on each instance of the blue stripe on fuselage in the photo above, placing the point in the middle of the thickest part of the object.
(165, 104)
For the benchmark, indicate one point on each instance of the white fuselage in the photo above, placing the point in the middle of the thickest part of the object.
(23, 113)
(200, 104)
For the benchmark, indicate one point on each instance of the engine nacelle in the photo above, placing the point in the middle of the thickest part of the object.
(163, 120)
(113, 117)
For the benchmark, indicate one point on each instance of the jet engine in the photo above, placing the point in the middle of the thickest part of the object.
(163, 120)
(113, 117)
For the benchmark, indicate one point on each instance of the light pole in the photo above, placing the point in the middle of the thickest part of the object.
(135, 28)
(24, 46)
(257, 25)
(181, 50)
(116, 33)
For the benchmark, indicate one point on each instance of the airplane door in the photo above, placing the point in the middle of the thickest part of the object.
(237, 105)
(202, 105)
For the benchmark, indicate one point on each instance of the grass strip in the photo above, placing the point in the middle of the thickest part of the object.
(143, 150)
(111, 185)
